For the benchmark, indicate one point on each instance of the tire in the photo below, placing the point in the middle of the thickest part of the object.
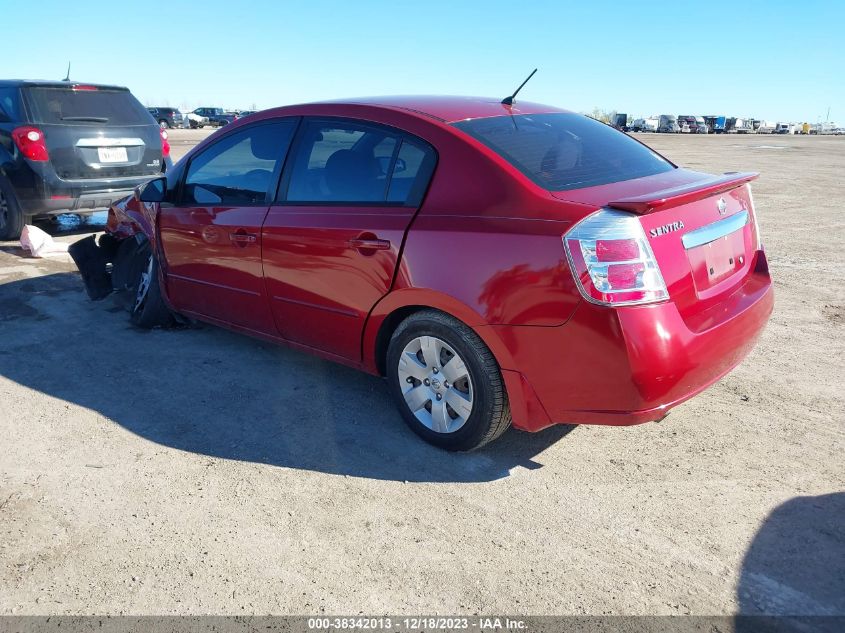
(12, 219)
(146, 306)
(164, 125)
(425, 344)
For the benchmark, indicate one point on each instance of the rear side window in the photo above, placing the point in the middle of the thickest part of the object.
(560, 151)
(346, 162)
(85, 107)
(10, 109)
(240, 169)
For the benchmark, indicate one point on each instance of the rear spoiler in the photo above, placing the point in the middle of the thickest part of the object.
(676, 196)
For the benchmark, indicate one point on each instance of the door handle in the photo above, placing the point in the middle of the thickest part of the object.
(242, 238)
(372, 244)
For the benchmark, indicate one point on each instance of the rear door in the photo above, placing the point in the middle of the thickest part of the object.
(94, 132)
(332, 241)
(212, 236)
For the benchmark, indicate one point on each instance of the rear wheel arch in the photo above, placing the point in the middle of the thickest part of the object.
(398, 306)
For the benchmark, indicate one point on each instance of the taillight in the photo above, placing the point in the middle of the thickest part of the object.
(30, 142)
(612, 260)
(165, 144)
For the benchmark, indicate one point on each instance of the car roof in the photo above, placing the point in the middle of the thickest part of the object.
(46, 83)
(449, 109)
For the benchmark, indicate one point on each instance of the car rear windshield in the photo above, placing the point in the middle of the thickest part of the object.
(561, 151)
(86, 107)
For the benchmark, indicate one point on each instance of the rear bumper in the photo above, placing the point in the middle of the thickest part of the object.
(41, 192)
(631, 365)
(82, 203)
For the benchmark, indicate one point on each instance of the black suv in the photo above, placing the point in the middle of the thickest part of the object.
(166, 117)
(68, 147)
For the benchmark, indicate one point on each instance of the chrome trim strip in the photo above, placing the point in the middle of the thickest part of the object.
(102, 141)
(712, 232)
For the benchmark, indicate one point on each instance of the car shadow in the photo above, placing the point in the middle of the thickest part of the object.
(212, 392)
(794, 570)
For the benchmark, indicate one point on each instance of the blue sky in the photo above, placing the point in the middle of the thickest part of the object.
(771, 60)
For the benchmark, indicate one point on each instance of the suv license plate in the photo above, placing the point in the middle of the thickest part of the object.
(112, 154)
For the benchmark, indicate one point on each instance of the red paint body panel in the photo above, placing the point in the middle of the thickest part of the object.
(630, 365)
(214, 265)
(486, 247)
(321, 287)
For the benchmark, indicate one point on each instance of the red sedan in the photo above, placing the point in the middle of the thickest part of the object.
(497, 263)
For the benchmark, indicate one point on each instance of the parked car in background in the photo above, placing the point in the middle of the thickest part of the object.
(215, 116)
(196, 121)
(167, 117)
(244, 113)
(785, 128)
(579, 284)
(72, 147)
(668, 124)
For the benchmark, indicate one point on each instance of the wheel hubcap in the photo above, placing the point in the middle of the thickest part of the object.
(143, 285)
(436, 384)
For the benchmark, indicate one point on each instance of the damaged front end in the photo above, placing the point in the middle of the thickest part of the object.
(124, 261)
(108, 264)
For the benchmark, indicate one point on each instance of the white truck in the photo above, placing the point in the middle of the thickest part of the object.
(766, 127)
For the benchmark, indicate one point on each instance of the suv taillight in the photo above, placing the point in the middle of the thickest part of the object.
(30, 142)
(165, 144)
(612, 260)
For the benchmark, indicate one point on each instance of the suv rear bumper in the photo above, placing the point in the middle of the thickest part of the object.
(40, 192)
(82, 203)
(633, 364)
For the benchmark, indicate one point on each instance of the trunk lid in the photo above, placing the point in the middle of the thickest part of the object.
(701, 229)
(95, 132)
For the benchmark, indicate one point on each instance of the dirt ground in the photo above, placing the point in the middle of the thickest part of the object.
(199, 471)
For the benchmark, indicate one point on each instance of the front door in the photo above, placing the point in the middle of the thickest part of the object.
(332, 242)
(212, 236)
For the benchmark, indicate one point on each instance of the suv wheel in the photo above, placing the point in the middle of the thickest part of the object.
(12, 219)
(446, 382)
(163, 124)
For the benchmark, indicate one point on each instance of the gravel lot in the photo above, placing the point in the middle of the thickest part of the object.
(199, 471)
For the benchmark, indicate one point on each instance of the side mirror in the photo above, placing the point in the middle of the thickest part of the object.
(153, 191)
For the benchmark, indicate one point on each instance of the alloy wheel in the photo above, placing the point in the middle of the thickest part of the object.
(436, 384)
(143, 286)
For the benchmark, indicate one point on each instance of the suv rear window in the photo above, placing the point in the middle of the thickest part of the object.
(561, 151)
(80, 107)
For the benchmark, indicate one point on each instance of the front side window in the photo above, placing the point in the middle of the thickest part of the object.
(561, 151)
(241, 169)
(345, 162)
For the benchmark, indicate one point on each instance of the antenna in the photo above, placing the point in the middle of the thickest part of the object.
(508, 101)
(67, 77)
